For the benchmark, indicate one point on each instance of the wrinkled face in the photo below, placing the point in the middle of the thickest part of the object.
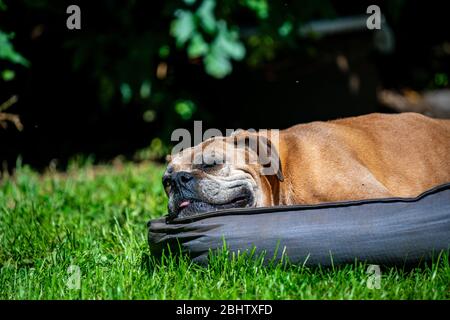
(208, 177)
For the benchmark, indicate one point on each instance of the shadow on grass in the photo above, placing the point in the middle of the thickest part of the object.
(222, 259)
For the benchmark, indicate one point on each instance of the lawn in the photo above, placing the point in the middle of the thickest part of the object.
(92, 219)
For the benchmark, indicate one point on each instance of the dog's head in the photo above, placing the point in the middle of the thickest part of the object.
(221, 173)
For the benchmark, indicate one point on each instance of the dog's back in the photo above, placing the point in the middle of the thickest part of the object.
(377, 155)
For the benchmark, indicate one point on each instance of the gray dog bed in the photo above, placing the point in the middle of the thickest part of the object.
(393, 231)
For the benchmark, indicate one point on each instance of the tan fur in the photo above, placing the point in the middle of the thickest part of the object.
(366, 157)
(370, 156)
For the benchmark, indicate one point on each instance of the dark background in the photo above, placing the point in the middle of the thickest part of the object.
(70, 97)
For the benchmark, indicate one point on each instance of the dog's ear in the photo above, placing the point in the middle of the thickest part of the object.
(265, 150)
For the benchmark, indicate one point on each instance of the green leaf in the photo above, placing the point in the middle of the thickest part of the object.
(206, 15)
(197, 47)
(225, 46)
(149, 116)
(8, 53)
(440, 79)
(8, 75)
(3, 6)
(217, 64)
(228, 42)
(164, 51)
(126, 92)
(182, 27)
(260, 7)
(145, 90)
(285, 29)
(189, 2)
(185, 108)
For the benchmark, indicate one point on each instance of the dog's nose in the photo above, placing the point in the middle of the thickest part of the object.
(182, 178)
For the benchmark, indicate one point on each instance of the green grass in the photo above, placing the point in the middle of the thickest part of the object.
(95, 218)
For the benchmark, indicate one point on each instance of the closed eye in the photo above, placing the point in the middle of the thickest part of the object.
(210, 164)
(206, 165)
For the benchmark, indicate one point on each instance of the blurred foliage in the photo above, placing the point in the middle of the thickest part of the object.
(140, 55)
(441, 80)
(8, 53)
(132, 56)
(185, 108)
(210, 30)
(206, 30)
(155, 151)
(192, 27)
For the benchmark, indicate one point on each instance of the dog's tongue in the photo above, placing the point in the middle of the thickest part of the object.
(184, 204)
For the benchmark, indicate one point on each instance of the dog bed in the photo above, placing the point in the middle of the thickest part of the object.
(391, 231)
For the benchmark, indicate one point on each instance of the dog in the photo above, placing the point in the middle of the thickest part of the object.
(365, 157)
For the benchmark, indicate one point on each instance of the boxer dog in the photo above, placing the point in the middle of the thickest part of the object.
(365, 157)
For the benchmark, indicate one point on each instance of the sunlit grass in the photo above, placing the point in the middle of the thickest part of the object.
(94, 217)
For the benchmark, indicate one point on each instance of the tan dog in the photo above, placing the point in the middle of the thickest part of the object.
(364, 157)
